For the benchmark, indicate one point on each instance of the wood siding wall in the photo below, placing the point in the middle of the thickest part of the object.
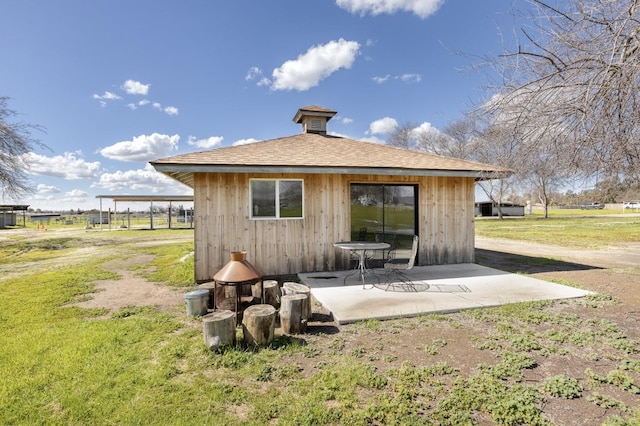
(275, 247)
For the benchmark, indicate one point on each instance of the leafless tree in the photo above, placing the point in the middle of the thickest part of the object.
(402, 136)
(454, 140)
(575, 76)
(500, 146)
(545, 169)
(15, 142)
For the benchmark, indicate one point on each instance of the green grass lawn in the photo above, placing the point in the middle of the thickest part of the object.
(564, 229)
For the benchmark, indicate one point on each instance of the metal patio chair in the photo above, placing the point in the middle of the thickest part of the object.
(395, 269)
(380, 257)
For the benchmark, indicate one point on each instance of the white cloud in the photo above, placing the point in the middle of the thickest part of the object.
(68, 166)
(425, 127)
(47, 189)
(142, 148)
(43, 197)
(245, 141)
(318, 63)
(381, 80)
(147, 179)
(344, 120)
(76, 196)
(405, 78)
(207, 143)
(420, 8)
(171, 110)
(383, 126)
(410, 78)
(107, 96)
(133, 87)
(253, 73)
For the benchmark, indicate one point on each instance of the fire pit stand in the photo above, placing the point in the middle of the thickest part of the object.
(238, 285)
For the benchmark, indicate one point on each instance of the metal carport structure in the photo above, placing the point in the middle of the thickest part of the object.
(143, 199)
(11, 209)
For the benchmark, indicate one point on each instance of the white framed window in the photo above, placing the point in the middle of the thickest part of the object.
(276, 198)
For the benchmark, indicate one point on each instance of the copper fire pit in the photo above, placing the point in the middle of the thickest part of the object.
(238, 285)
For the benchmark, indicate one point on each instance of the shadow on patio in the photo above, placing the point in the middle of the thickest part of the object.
(435, 289)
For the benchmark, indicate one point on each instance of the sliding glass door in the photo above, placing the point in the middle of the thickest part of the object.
(386, 212)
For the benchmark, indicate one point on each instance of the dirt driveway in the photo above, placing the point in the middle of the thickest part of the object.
(614, 270)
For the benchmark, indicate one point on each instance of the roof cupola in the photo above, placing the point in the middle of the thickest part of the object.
(314, 118)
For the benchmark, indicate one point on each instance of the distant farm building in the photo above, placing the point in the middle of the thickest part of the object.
(488, 208)
(9, 215)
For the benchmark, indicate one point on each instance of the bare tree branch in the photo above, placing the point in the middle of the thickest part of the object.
(15, 142)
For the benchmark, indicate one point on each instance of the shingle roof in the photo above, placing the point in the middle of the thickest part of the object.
(319, 153)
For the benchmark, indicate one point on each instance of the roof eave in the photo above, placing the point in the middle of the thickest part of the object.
(184, 173)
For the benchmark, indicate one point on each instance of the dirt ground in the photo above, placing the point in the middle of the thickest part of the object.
(131, 289)
(614, 270)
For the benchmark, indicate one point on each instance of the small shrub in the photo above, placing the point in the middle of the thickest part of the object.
(562, 387)
(607, 402)
(435, 344)
(598, 300)
(511, 365)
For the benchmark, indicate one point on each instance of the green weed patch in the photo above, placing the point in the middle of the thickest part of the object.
(172, 264)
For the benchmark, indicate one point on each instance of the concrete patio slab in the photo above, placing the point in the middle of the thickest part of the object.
(435, 289)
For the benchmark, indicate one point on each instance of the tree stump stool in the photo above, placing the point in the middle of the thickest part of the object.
(292, 320)
(297, 288)
(271, 293)
(219, 329)
(257, 291)
(211, 287)
(258, 325)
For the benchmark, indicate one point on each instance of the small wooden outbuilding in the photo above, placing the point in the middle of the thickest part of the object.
(286, 201)
(507, 208)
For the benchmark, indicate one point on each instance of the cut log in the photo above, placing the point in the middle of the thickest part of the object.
(271, 293)
(297, 288)
(211, 286)
(257, 292)
(219, 329)
(291, 314)
(258, 325)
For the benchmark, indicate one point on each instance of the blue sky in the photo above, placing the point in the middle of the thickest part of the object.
(117, 84)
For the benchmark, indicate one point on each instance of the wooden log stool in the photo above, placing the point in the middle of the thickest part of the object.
(211, 287)
(219, 329)
(271, 293)
(292, 318)
(297, 288)
(258, 325)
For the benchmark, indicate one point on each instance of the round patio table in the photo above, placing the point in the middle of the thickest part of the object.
(360, 248)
